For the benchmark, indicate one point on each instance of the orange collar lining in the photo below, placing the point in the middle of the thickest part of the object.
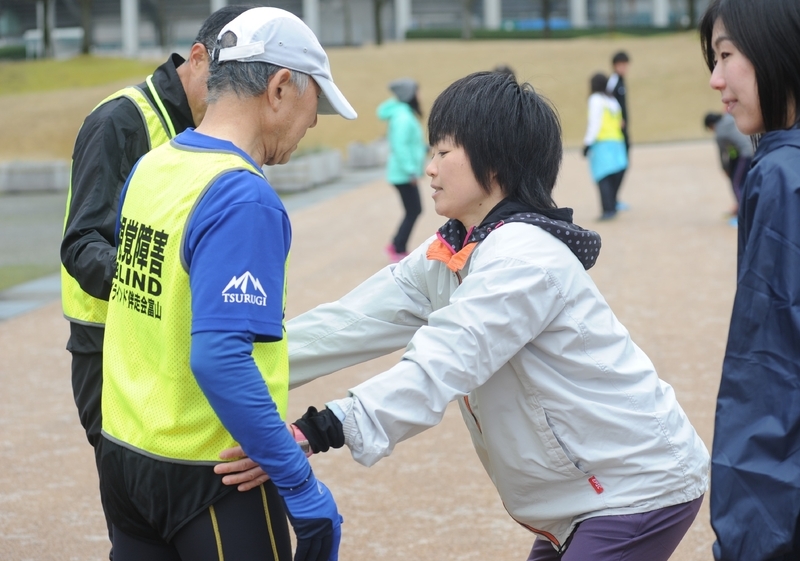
(439, 251)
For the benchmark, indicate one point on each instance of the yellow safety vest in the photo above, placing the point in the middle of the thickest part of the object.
(151, 401)
(77, 305)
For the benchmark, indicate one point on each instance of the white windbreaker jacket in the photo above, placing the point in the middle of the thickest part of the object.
(566, 413)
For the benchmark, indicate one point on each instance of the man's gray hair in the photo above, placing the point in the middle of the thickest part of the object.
(245, 79)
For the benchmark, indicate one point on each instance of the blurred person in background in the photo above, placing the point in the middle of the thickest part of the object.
(604, 144)
(406, 162)
(617, 88)
(504, 69)
(735, 153)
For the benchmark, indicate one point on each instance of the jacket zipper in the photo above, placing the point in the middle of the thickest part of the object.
(538, 532)
(469, 408)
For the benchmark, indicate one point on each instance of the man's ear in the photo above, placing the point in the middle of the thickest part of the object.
(198, 57)
(278, 87)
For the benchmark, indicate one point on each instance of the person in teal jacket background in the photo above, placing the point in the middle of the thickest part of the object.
(406, 162)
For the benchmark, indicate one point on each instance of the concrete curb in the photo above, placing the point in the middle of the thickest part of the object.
(22, 176)
(304, 172)
(29, 296)
(301, 173)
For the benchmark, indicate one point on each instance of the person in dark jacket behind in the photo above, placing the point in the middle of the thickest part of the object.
(616, 88)
(753, 52)
(121, 129)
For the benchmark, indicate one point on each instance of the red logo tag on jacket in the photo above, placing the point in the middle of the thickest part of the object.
(595, 485)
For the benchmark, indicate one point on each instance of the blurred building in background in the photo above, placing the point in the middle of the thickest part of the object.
(141, 27)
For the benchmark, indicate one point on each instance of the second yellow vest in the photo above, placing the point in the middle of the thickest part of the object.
(79, 306)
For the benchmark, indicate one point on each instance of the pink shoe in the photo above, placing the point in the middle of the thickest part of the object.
(394, 256)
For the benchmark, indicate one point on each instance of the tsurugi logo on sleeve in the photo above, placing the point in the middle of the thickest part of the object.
(245, 289)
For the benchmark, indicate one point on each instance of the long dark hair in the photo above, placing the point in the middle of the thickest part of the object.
(508, 131)
(598, 83)
(414, 104)
(767, 32)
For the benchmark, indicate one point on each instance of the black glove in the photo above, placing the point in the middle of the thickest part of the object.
(322, 429)
(586, 150)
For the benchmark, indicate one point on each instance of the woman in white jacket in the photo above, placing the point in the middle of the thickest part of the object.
(587, 447)
(604, 144)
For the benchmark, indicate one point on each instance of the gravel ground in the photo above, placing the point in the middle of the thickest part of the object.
(667, 268)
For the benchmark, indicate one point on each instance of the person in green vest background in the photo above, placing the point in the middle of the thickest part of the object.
(195, 359)
(121, 129)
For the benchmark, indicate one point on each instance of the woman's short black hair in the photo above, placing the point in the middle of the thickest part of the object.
(598, 83)
(508, 131)
(767, 32)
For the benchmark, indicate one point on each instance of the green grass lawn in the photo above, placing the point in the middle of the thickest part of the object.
(19, 77)
(668, 92)
(12, 275)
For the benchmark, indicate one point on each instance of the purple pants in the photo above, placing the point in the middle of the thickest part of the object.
(649, 536)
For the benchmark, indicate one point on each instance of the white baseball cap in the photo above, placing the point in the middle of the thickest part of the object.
(281, 38)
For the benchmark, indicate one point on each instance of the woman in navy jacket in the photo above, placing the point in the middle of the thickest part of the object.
(753, 51)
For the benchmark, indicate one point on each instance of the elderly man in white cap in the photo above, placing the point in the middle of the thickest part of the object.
(195, 358)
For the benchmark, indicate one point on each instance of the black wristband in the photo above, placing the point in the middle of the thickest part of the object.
(322, 429)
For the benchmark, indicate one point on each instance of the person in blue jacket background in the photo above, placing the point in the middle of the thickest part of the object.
(406, 160)
(753, 52)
